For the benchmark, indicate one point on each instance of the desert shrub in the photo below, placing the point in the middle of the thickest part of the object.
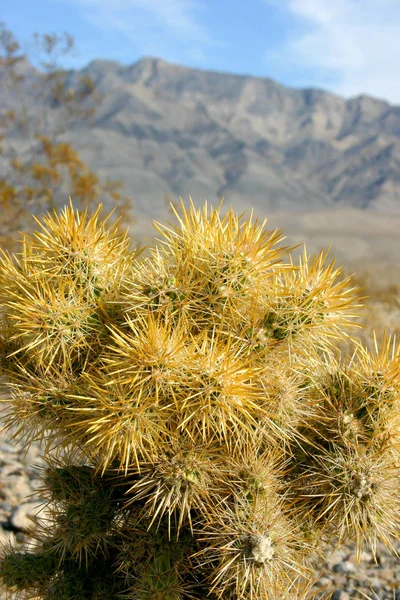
(40, 105)
(204, 437)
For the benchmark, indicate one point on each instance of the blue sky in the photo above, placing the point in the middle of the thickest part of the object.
(349, 47)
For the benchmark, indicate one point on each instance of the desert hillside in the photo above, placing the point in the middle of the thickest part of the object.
(165, 129)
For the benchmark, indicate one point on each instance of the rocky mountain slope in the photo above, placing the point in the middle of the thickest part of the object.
(185, 131)
(165, 129)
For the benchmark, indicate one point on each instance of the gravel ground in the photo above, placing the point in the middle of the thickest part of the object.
(342, 578)
(339, 577)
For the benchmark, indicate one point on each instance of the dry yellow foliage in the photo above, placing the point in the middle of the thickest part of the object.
(37, 181)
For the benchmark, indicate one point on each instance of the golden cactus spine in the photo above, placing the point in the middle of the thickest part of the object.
(203, 437)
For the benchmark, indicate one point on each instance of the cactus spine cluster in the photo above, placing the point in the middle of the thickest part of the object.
(204, 436)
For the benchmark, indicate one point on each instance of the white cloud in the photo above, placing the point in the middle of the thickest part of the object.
(164, 28)
(354, 42)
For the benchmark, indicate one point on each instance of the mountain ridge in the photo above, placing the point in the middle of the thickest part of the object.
(170, 130)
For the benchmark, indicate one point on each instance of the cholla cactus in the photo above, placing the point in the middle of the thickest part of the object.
(203, 437)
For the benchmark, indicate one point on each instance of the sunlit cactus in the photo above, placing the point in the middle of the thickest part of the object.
(204, 437)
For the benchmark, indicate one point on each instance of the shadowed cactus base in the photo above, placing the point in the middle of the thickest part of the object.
(204, 437)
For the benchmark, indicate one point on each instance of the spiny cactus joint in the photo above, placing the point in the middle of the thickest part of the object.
(203, 435)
